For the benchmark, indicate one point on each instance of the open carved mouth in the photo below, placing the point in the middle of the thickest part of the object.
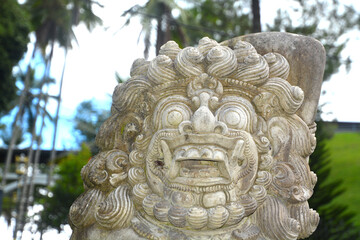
(199, 164)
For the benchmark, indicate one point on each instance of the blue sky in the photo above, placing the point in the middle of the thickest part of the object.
(91, 66)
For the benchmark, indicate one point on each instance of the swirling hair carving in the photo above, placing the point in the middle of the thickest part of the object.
(203, 142)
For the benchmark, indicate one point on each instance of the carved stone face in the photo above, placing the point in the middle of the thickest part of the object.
(202, 153)
(202, 142)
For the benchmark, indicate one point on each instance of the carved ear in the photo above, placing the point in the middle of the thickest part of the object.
(306, 57)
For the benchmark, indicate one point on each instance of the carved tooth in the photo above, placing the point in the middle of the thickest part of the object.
(149, 203)
(185, 199)
(197, 217)
(217, 217)
(179, 154)
(174, 170)
(161, 210)
(224, 169)
(214, 199)
(177, 216)
(219, 155)
(192, 153)
(206, 153)
(169, 164)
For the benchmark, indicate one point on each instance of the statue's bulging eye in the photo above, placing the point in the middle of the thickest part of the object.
(234, 117)
(171, 111)
(174, 118)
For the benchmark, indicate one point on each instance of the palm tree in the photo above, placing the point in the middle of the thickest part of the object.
(167, 27)
(81, 12)
(52, 22)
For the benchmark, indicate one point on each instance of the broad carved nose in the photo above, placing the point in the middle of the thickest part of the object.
(203, 120)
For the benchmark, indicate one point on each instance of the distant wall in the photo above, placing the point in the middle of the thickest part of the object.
(345, 126)
(44, 154)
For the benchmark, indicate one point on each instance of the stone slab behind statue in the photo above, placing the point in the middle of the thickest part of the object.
(208, 142)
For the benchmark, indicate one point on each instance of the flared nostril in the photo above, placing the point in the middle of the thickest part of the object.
(221, 128)
(185, 127)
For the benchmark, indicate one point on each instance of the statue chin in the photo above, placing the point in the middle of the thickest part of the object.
(206, 142)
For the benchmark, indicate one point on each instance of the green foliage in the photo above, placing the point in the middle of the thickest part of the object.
(28, 112)
(219, 20)
(66, 189)
(8, 206)
(167, 27)
(345, 153)
(326, 21)
(14, 30)
(53, 20)
(336, 222)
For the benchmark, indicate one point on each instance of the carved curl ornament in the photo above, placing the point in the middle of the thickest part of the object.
(203, 143)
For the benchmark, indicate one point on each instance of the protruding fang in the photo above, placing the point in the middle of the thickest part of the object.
(169, 164)
(238, 150)
(174, 170)
(166, 151)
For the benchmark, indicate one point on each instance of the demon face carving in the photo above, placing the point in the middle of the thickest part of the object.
(202, 142)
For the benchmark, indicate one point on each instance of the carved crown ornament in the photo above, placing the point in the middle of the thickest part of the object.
(208, 142)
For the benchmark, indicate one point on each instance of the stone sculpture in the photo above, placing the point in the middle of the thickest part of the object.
(208, 142)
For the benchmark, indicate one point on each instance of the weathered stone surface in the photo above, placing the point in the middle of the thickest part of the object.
(208, 142)
(306, 57)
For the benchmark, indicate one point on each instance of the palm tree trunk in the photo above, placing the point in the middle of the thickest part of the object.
(160, 35)
(30, 198)
(15, 130)
(56, 121)
(256, 23)
(20, 218)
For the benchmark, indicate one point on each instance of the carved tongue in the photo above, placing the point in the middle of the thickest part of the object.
(199, 169)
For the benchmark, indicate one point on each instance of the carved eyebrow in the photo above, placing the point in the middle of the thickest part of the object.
(165, 101)
(243, 101)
